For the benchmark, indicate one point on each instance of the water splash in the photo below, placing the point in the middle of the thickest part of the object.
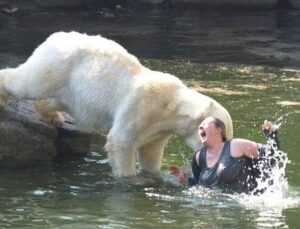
(282, 119)
(272, 185)
(272, 181)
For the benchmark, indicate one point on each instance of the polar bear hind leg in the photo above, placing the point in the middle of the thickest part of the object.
(3, 94)
(49, 111)
(4, 74)
(32, 87)
(37, 84)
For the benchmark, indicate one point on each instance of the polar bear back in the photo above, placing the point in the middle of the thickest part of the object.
(93, 76)
(72, 47)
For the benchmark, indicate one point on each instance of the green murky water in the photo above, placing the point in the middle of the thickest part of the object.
(248, 61)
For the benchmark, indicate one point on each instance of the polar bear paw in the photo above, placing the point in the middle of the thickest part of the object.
(54, 117)
(49, 111)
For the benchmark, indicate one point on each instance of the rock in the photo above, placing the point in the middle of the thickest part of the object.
(71, 141)
(25, 140)
(10, 6)
(216, 3)
(294, 4)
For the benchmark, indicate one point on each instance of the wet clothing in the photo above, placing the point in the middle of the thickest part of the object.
(230, 174)
(237, 174)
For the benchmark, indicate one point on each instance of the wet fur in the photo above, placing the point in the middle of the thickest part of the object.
(104, 87)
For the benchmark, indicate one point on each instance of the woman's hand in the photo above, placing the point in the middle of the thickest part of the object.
(271, 131)
(180, 175)
(268, 127)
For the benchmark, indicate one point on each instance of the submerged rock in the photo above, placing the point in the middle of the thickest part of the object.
(25, 140)
(10, 6)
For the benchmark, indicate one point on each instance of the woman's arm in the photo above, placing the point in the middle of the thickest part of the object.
(243, 147)
(182, 177)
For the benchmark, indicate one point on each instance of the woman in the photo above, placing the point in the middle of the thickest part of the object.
(226, 164)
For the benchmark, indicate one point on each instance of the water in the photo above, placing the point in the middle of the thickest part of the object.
(249, 61)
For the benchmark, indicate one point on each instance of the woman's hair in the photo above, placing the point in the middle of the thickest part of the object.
(220, 124)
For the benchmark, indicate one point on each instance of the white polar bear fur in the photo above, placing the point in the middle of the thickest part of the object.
(104, 87)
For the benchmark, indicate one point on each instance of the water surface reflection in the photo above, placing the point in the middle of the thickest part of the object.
(246, 60)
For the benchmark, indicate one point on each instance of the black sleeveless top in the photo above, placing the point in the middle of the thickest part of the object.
(231, 174)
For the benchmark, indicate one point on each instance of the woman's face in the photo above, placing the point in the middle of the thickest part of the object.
(208, 131)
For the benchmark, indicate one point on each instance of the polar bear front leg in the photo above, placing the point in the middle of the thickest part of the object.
(150, 155)
(121, 156)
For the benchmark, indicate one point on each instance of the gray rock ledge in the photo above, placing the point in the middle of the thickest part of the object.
(26, 141)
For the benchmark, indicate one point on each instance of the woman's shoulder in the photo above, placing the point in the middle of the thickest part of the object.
(240, 141)
(242, 147)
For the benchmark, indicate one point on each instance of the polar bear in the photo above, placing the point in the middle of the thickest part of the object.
(102, 86)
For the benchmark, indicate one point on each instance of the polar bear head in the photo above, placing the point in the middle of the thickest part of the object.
(195, 108)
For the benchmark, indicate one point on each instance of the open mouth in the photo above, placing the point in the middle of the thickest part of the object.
(203, 134)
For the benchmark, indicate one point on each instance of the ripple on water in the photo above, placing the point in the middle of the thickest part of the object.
(41, 192)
